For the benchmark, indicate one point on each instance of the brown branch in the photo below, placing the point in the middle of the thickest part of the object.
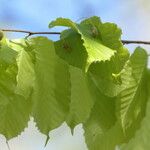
(135, 42)
(30, 33)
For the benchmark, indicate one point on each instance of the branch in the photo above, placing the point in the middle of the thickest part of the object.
(30, 33)
(135, 42)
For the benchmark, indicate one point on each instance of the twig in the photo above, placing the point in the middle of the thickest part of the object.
(135, 42)
(30, 33)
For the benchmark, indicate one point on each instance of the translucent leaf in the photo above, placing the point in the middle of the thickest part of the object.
(96, 134)
(132, 99)
(52, 86)
(14, 108)
(107, 75)
(71, 49)
(25, 76)
(81, 100)
(98, 138)
(98, 128)
(111, 35)
(94, 20)
(141, 139)
(96, 51)
(7, 56)
(103, 73)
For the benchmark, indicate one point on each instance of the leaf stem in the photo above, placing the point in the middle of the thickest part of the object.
(8, 145)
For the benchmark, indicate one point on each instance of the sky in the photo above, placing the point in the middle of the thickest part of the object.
(132, 16)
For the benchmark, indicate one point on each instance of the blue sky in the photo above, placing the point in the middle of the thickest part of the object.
(131, 15)
(36, 14)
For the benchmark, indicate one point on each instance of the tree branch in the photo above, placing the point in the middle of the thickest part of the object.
(135, 42)
(30, 33)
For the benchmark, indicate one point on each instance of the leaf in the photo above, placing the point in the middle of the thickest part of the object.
(111, 35)
(26, 75)
(14, 108)
(52, 86)
(101, 121)
(100, 137)
(94, 20)
(96, 51)
(97, 138)
(74, 54)
(81, 100)
(141, 139)
(104, 138)
(7, 56)
(103, 74)
(132, 99)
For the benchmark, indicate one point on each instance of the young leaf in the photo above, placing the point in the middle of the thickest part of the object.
(98, 138)
(142, 136)
(26, 75)
(101, 121)
(81, 100)
(107, 75)
(103, 73)
(71, 49)
(95, 20)
(52, 86)
(14, 108)
(111, 35)
(132, 99)
(96, 51)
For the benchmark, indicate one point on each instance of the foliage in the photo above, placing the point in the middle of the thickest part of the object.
(88, 76)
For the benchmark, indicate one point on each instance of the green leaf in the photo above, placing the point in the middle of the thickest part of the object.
(111, 35)
(141, 139)
(71, 49)
(96, 51)
(133, 97)
(26, 75)
(104, 138)
(103, 74)
(7, 56)
(98, 128)
(100, 137)
(52, 86)
(14, 108)
(94, 20)
(81, 100)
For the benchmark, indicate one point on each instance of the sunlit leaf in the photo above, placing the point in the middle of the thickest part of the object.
(132, 99)
(96, 51)
(81, 100)
(14, 107)
(50, 105)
